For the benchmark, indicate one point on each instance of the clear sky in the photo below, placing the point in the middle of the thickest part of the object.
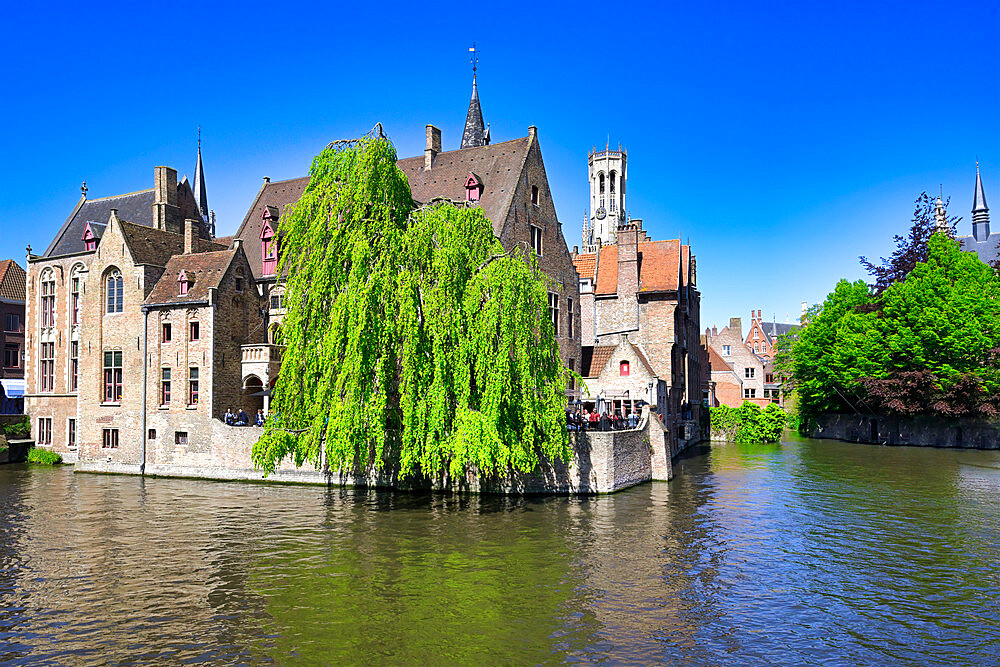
(782, 139)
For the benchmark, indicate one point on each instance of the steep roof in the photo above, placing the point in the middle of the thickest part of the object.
(716, 362)
(594, 359)
(987, 250)
(135, 207)
(277, 194)
(155, 246)
(13, 281)
(657, 266)
(643, 360)
(773, 330)
(204, 270)
(979, 199)
(585, 265)
(199, 191)
(475, 132)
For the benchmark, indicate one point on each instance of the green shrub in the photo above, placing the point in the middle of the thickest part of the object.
(43, 457)
(19, 429)
(748, 423)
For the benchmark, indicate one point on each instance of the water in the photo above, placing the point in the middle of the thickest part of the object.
(804, 552)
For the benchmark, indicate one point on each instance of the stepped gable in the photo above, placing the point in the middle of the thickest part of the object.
(657, 267)
(204, 270)
(595, 358)
(13, 281)
(499, 167)
(585, 265)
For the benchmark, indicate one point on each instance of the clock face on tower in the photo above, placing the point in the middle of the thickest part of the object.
(600, 213)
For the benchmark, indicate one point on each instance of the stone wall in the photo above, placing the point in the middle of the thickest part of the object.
(915, 431)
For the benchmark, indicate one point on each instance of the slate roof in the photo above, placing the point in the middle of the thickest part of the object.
(988, 250)
(774, 330)
(135, 207)
(657, 266)
(594, 359)
(12, 281)
(586, 265)
(498, 167)
(205, 270)
(475, 133)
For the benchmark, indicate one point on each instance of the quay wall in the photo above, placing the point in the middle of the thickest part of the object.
(917, 431)
(602, 462)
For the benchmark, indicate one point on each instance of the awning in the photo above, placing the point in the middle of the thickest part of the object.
(13, 387)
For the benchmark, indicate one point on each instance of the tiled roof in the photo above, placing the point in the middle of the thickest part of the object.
(716, 362)
(277, 194)
(772, 330)
(594, 359)
(643, 359)
(156, 247)
(204, 270)
(12, 280)
(657, 266)
(585, 265)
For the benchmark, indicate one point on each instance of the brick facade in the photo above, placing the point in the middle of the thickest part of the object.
(739, 374)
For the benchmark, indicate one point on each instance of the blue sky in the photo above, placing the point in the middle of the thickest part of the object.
(782, 139)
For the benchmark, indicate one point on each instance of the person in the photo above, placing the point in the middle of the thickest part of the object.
(578, 418)
(259, 421)
(633, 419)
(241, 418)
(616, 421)
(569, 419)
(594, 420)
(585, 420)
(605, 422)
(230, 418)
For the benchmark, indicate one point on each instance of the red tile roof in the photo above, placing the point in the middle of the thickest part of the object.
(585, 265)
(12, 280)
(657, 266)
(716, 362)
(595, 359)
(205, 270)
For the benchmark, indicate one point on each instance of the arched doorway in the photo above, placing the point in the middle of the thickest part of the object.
(253, 395)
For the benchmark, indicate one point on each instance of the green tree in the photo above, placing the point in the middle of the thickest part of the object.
(415, 344)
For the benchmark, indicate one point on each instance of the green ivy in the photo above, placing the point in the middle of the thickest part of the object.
(748, 423)
(415, 344)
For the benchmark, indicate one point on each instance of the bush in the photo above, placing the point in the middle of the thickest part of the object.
(21, 428)
(43, 457)
(748, 423)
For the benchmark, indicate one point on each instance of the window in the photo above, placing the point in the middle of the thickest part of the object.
(151, 435)
(534, 195)
(569, 317)
(277, 301)
(74, 365)
(572, 369)
(12, 322)
(47, 366)
(166, 332)
(71, 433)
(113, 377)
(193, 386)
(473, 188)
(165, 386)
(109, 438)
(554, 311)
(756, 347)
(180, 437)
(11, 356)
(183, 283)
(44, 431)
(74, 301)
(726, 350)
(239, 283)
(268, 249)
(90, 244)
(536, 239)
(756, 334)
(763, 348)
(115, 288)
(623, 369)
(49, 303)
(750, 393)
(749, 372)
(769, 378)
(195, 331)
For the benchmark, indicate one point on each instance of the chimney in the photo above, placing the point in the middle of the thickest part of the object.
(532, 132)
(237, 244)
(433, 146)
(190, 235)
(736, 324)
(715, 330)
(628, 260)
(166, 212)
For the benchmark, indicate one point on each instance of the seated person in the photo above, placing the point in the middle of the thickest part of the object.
(241, 418)
(230, 418)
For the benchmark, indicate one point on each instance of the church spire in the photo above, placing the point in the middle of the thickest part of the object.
(200, 193)
(980, 211)
(940, 215)
(475, 133)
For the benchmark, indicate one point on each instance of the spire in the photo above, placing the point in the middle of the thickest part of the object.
(475, 132)
(200, 194)
(940, 216)
(980, 211)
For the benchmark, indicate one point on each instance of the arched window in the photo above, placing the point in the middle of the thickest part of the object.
(600, 181)
(612, 182)
(48, 300)
(623, 369)
(115, 289)
(75, 286)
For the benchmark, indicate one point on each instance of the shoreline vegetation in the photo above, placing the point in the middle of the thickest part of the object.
(748, 423)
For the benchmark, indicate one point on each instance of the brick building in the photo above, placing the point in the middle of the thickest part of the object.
(507, 180)
(738, 372)
(12, 295)
(134, 326)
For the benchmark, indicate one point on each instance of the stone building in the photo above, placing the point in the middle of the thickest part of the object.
(132, 303)
(984, 243)
(638, 295)
(737, 373)
(12, 295)
(762, 336)
(507, 180)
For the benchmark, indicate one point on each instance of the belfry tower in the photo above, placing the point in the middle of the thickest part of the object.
(607, 171)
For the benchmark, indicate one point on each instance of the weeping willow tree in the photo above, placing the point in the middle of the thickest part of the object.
(414, 343)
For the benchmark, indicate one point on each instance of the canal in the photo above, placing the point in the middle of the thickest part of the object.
(807, 551)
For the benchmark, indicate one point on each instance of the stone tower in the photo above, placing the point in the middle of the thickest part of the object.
(607, 172)
(980, 211)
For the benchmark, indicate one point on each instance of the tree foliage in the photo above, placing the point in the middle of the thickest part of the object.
(415, 344)
(927, 344)
(910, 249)
(748, 423)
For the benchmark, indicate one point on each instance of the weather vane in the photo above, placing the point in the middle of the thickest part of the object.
(474, 59)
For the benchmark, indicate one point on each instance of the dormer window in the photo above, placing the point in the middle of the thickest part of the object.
(89, 239)
(183, 283)
(623, 369)
(268, 244)
(473, 187)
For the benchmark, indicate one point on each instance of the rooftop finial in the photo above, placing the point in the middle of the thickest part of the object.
(474, 59)
(475, 129)
(199, 138)
(83, 189)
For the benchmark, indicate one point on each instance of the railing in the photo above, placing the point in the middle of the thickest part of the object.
(263, 352)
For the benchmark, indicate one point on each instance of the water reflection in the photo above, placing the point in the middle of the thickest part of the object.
(801, 552)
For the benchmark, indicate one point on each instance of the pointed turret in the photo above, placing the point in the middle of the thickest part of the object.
(940, 216)
(475, 131)
(980, 211)
(200, 193)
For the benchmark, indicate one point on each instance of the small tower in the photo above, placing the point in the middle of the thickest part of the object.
(475, 133)
(200, 193)
(607, 172)
(980, 211)
(940, 216)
